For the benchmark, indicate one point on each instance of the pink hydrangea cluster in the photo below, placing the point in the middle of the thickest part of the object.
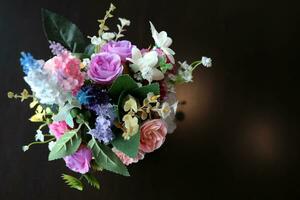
(66, 68)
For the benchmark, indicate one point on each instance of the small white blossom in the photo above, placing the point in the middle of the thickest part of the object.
(51, 145)
(108, 36)
(25, 148)
(185, 65)
(206, 62)
(86, 62)
(96, 40)
(39, 136)
(124, 22)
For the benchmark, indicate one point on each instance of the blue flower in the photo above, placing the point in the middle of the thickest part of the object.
(104, 122)
(29, 63)
(92, 96)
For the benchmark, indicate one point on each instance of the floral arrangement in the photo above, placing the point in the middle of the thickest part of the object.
(106, 103)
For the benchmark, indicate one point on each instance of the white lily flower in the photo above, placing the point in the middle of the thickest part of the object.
(146, 64)
(25, 148)
(163, 42)
(39, 136)
(206, 62)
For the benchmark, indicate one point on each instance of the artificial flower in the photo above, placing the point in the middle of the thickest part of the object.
(58, 128)
(39, 136)
(146, 64)
(105, 68)
(56, 48)
(108, 36)
(163, 42)
(130, 104)
(126, 160)
(206, 62)
(122, 48)
(80, 160)
(153, 134)
(131, 126)
(66, 68)
(29, 63)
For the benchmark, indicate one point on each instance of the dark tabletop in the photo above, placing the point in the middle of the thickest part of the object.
(240, 135)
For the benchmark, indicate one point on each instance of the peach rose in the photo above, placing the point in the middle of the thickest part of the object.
(126, 160)
(153, 134)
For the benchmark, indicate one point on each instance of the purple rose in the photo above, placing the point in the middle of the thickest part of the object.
(105, 67)
(80, 160)
(122, 48)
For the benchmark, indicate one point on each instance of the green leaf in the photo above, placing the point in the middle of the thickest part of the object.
(142, 92)
(129, 147)
(72, 182)
(69, 120)
(92, 180)
(123, 83)
(57, 28)
(89, 50)
(66, 145)
(106, 158)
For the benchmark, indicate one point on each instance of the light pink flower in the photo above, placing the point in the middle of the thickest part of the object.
(58, 128)
(153, 134)
(126, 159)
(80, 160)
(67, 70)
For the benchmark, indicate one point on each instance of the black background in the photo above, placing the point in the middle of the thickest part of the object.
(240, 136)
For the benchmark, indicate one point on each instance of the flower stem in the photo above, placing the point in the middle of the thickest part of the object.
(45, 142)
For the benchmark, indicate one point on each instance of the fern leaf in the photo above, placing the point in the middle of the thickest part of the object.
(92, 180)
(72, 182)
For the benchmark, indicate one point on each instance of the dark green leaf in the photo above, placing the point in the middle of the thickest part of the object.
(142, 92)
(106, 158)
(92, 180)
(72, 182)
(123, 83)
(129, 147)
(66, 145)
(57, 28)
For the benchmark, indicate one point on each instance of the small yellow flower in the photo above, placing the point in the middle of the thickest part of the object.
(24, 95)
(151, 98)
(39, 114)
(131, 126)
(33, 103)
(130, 105)
(10, 95)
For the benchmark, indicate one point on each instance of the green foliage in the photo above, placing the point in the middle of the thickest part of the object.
(72, 182)
(92, 180)
(123, 83)
(129, 147)
(69, 120)
(57, 28)
(142, 92)
(106, 158)
(164, 66)
(66, 145)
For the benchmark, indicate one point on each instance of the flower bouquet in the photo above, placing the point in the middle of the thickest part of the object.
(106, 103)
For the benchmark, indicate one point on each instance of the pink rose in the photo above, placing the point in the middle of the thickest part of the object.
(153, 134)
(126, 159)
(66, 68)
(105, 67)
(58, 128)
(122, 48)
(80, 160)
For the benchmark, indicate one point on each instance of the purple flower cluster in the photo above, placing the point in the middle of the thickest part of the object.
(56, 48)
(104, 122)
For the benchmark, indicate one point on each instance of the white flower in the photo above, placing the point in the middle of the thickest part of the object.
(25, 148)
(165, 110)
(46, 87)
(163, 42)
(39, 136)
(86, 62)
(206, 62)
(51, 145)
(124, 22)
(96, 40)
(108, 36)
(185, 65)
(146, 64)
(170, 120)
(186, 72)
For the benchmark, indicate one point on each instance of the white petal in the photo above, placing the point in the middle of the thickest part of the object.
(150, 59)
(157, 74)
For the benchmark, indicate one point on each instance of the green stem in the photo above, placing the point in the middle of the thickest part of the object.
(45, 142)
(196, 63)
(87, 125)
